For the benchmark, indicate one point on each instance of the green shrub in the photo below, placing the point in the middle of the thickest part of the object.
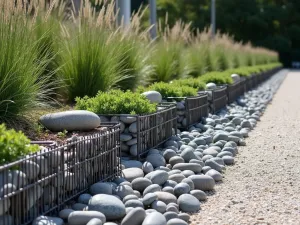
(14, 145)
(191, 82)
(116, 102)
(171, 90)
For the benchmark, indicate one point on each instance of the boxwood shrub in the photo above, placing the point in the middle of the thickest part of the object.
(14, 145)
(116, 102)
(218, 78)
(192, 82)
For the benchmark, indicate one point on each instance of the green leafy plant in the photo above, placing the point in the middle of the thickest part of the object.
(14, 145)
(217, 78)
(191, 82)
(62, 134)
(116, 102)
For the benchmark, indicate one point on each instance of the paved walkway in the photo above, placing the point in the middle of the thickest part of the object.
(263, 187)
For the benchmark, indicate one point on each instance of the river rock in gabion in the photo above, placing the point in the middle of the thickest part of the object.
(131, 173)
(128, 119)
(95, 221)
(220, 136)
(158, 177)
(169, 153)
(233, 151)
(203, 182)
(176, 159)
(170, 183)
(188, 173)
(7, 189)
(176, 221)
(147, 167)
(45, 220)
(228, 160)
(134, 203)
(221, 154)
(135, 217)
(74, 120)
(189, 182)
(195, 167)
(176, 177)
(64, 214)
(211, 86)
(170, 215)
(200, 195)
(151, 189)
(4, 206)
(101, 188)
(182, 188)
(156, 160)
(123, 190)
(215, 175)
(112, 207)
(188, 203)
(155, 216)
(140, 184)
(188, 154)
(125, 137)
(83, 217)
(166, 197)
(149, 198)
(16, 177)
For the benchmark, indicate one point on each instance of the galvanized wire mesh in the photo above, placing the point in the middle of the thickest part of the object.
(219, 98)
(42, 183)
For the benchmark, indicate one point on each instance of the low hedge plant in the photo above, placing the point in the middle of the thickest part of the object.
(218, 78)
(116, 102)
(192, 82)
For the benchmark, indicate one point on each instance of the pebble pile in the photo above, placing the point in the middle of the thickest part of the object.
(173, 180)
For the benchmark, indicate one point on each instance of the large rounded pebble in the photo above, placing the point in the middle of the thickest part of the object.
(136, 216)
(215, 174)
(206, 157)
(195, 167)
(205, 169)
(153, 97)
(174, 171)
(229, 149)
(101, 188)
(189, 182)
(64, 214)
(130, 197)
(182, 188)
(159, 206)
(83, 217)
(123, 190)
(221, 154)
(233, 138)
(188, 203)
(176, 159)
(169, 153)
(184, 216)
(132, 164)
(176, 221)
(78, 206)
(137, 193)
(155, 216)
(95, 221)
(164, 168)
(147, 167)
(151, 189)
(156, 160)
(170, 183)
(171, 143)
(218, 160)
(166, 197)
(187, 173)
(84, 198)
(200, 195)
(220, 136)
(140, 184)
(228, 160)
(148, 211)
(172, 208)
(200, 162)
(170, 215)
(149, 198)
(203, 182)
(188, 154)
(158, 177)
(214, 165)
(134, 203)
(200, 141)
(131, 173)
(177, 177)
(210, 151)
(168, 189)
(112, 207)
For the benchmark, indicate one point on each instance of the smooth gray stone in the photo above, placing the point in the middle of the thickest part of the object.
(95, 221)
(147, 167)
(137, 193)
(83, 217)
(172, 208)
(130, 197)
(112, 207)
(155, 216)
(156, 160)
(84, 198)
(148, 211)
(229, 129)
(184, 216)
(133, 150)
(176, 159)
(74, 120)
(78, 206)
(193, 144)
(229, 149)
(242, 142)
(221, 154)
(128, 119)
(149, 198)
(169, 190)
(153, 96)
(158, 177)
(176, 221)
(182, 188)
(228, 160)
(170, 215)
(135, 217)
(237, 134)
(169, 153)
(171, 143)
(215, 175)
(140, 183)
(200, 162)
(188, 173)
(218, 160)
(198, 153)
(174, 171)
(43, 220)
(170, 183)
(159, 206)
(131, 142)
(214, 165)
(217, 148)
(200, 195)
(200, 141)
(173, 204)
(233, 138)
(151, 189)
(188, 203)
(166, 197)
(123, 190)
(132, 173)
(195, 167)
(132, 164)
(189, 182)
(7, 189)
(236, 121)
(101, 188)
(125, 137)
(176, 177)
(246, 124)
(134, 203)
(206, 157)
(164, 168)
(220, 136)
(188, 154)
(110, 223)
(126, 183)
(133, 127)
(31, 169)
(205, 169)
(203, 182)
(210, 151)
(64, 214)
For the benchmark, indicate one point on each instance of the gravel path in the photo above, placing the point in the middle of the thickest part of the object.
(263, 187)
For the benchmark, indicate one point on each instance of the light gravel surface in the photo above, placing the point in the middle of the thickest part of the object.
(263, 187)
